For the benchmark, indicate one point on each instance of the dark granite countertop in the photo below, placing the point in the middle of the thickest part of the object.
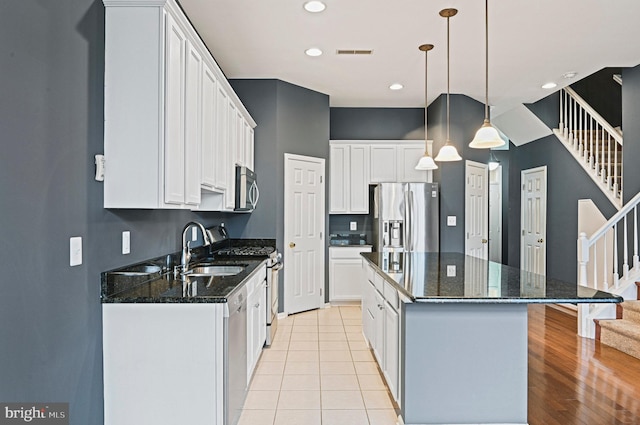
(153, 281)
(456, 278)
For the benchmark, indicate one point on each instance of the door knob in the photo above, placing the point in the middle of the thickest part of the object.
(484, 241)
(292, 244)
(540, 240)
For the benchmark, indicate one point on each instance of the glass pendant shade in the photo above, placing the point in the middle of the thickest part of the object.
(486, 137)
(448, 153)
(426, 163)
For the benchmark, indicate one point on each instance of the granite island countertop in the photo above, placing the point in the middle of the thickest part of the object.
(439, 277)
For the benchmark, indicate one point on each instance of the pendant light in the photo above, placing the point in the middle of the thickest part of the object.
(426, 162)
(486, 136)
(448, 152)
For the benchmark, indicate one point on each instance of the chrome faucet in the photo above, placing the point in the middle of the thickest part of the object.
(186, 248)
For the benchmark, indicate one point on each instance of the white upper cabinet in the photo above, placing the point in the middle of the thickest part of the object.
(174, 147)
(166, 136)
(349, 175)
(407, 157)
(383, 163)
(209, 136)
(193, 129)
(355, 164)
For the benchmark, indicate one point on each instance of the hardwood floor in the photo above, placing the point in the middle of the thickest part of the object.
(574, 380)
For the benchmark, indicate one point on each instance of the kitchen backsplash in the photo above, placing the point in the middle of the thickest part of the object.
(339, 224)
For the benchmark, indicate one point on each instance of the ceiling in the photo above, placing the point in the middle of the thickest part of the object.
(531, 42)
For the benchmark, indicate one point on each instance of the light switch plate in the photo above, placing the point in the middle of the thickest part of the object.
(126, 242)
(194, 233)
(451, 271)
(75, 251)
(353, 225)
(451, 220)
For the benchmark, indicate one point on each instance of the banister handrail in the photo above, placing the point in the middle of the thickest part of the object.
(614, 219)
(596, 116)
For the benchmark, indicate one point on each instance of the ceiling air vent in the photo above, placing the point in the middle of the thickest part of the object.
(353, 52)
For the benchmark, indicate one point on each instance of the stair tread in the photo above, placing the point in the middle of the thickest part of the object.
(631, 305)
(625, 327)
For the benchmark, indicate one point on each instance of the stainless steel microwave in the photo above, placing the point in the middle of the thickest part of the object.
(247, 192)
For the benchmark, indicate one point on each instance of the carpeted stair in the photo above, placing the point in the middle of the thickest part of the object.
(622, 333)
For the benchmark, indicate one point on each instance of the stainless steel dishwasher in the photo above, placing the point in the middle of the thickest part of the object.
(235, 355)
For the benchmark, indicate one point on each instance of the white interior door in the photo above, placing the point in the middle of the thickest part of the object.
(304, 222)
(476, 222)
(533, 256)
(495, 215)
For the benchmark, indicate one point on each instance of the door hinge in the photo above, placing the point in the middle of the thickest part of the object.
(320, 235)
(320, 291)
(522, 232)
(320, 179)
(523, 187)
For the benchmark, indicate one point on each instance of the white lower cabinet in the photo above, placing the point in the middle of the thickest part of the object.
(381, 327)
(163, 363)
(256, 319)
(345, 272)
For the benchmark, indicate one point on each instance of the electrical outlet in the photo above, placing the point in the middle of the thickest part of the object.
(75, 251)
(353, 225)
(451, 220)
(451, 271)
(126, 242)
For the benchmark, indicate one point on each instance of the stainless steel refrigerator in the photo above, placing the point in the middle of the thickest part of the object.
(406, 217)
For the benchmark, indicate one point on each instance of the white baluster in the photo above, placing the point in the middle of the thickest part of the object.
(561, 125)
(625, 254)
(581, 134)
(595, 266)
(583, 258)
(605, 263)
(615, 170)
(603, 171)
(616, 276)
(636, 266)
(609, 174)
(593, 162)
(572, 132)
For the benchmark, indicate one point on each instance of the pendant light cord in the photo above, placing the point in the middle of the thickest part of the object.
(486, 60)
(448, 122)
(426, 101)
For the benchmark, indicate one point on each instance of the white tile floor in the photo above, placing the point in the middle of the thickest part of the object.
(318, 371)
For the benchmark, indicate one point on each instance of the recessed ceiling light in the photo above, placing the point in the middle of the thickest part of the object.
(548, 86)
(314, 51)
(396, 86)
(314, 6)
(570, 74)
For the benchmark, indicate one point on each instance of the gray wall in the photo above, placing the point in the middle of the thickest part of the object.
(51, 109)
(290, 119)
(631, 126)
(567, 183)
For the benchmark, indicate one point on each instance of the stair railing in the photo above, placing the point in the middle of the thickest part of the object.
(596, 142)
(606, 238)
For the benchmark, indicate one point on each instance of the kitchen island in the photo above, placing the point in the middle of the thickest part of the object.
(460, 327)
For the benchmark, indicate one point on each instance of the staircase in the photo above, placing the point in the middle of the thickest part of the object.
(593, 142)
(608, 260)
(622, 333)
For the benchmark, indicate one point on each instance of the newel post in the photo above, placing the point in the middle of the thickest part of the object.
(583, 258)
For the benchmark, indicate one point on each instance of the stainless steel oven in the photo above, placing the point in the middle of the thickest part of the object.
(247, 192)
(274, 265)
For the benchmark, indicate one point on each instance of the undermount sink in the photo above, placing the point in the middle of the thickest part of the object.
(219, 270)
(141, 270)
